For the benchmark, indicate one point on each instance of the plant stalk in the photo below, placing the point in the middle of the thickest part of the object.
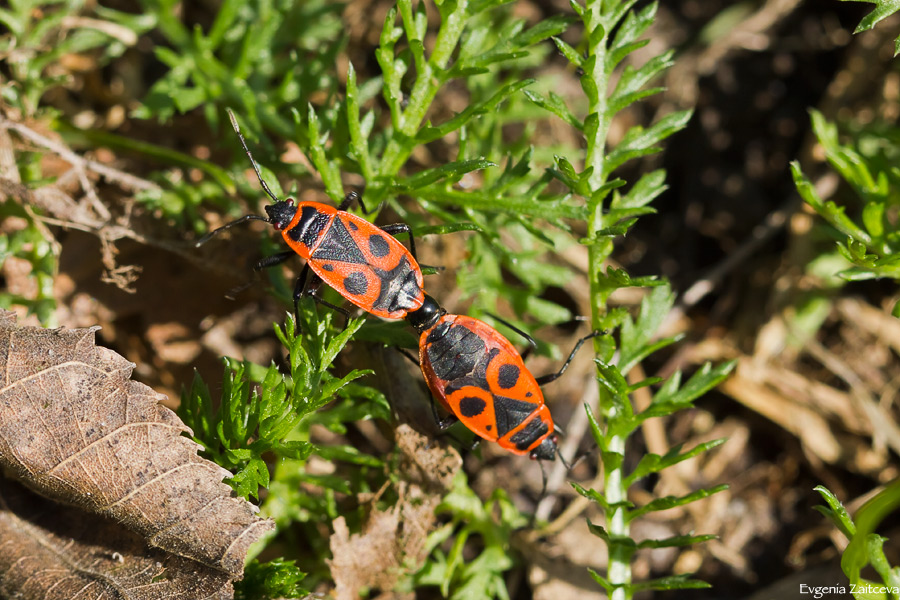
(424, 89)
(599, 249)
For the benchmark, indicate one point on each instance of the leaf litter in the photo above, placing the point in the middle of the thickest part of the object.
(48, 551)
(393, 542)
(144, 510)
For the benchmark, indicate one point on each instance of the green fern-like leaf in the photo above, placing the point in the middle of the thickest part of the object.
(883, 9)
(249, 422)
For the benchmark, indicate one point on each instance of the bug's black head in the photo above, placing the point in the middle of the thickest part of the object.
(425, 317)
(547, 449)
(281, 213)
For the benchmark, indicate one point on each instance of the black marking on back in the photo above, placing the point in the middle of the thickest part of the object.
(399, 288)
(339, 246)
(356, 283)
(509, 413)
(481, 368)
(352, 225)
(309, 227)
(454, 351)
(532, 432)
(327, 267)
(462, 382)
(471, 406)
(508, 376)
(379, 246)
(438, 333)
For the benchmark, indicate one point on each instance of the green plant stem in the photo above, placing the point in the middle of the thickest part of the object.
(599, 249)
(596, 144)
(619, 567)
(426, 86)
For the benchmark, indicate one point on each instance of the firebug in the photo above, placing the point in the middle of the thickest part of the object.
(481, 379)
(364, 262)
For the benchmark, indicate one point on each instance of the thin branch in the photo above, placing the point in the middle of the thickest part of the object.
(121, 178)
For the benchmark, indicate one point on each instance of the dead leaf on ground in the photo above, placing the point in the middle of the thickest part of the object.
(76, 429)
(392, 543)
(50, 551)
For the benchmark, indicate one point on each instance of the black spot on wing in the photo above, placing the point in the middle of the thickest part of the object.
(509, 413)
(356, 283)
(471, 406)
(327, 267)
(508, 376)
(379, 246)
(339, 246)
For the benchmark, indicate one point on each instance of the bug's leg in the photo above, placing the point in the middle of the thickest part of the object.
(460, 443)
(275, 259)
(402, 228)
(335, 307)
(554, 376)
(527, 352)
(299, 291)
(394, 229)
(575, 460)
(446, 422)
(308, 286)
(531, 522)
(268, 261)
(233, 292)
(350, 199)
(215, 232)
(407, 354)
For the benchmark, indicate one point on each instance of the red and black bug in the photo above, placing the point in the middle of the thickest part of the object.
(363, 262)
(479, 376)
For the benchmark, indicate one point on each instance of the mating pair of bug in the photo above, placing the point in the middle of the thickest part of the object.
(472, 369)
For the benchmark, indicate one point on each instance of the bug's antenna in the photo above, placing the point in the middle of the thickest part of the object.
(533, 519)
(215, 232)
(262, 182)
(543, 481)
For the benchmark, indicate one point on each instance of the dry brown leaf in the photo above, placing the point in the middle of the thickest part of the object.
(48, 551)
(367, 559)
(75, 428)
(392, 542)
